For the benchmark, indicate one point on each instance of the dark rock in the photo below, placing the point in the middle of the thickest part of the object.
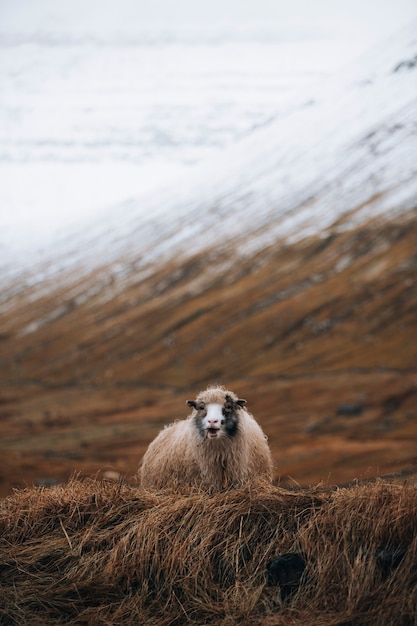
(350, 409)
(389, 559)
(47, 482)
(409, 64)
(286, 572)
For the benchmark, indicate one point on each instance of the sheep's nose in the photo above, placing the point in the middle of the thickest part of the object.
(214, 416)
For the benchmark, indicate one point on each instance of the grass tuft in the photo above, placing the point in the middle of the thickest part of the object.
(95, 552)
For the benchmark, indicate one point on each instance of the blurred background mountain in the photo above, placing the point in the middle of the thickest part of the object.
(190, 198)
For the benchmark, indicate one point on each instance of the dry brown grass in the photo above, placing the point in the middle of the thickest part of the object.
(93, 552)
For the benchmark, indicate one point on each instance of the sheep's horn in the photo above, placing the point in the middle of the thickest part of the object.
(192, 403)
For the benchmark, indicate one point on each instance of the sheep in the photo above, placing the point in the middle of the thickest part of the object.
(219, 446)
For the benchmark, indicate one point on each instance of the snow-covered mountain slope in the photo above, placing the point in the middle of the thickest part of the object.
(346, 156)
(87, 124)
(355, 145)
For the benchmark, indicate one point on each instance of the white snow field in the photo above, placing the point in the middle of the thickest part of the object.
(87, 124)
(281, 165)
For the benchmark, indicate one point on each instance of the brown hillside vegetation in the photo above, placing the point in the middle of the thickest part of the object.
(103, 553)
(319, 336)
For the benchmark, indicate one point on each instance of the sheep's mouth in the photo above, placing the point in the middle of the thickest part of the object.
(212, 432)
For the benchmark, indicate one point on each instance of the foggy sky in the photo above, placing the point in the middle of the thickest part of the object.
(363, 18)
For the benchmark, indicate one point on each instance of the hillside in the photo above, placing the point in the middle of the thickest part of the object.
(289, 276)
(291, 330)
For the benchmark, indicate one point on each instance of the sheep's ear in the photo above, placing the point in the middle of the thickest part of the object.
(192, 403)
(241, 402)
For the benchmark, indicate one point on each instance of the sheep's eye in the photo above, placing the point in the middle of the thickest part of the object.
(228, 407)
(201, 406)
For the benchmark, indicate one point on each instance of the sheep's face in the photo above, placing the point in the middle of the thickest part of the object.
(214, 421)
